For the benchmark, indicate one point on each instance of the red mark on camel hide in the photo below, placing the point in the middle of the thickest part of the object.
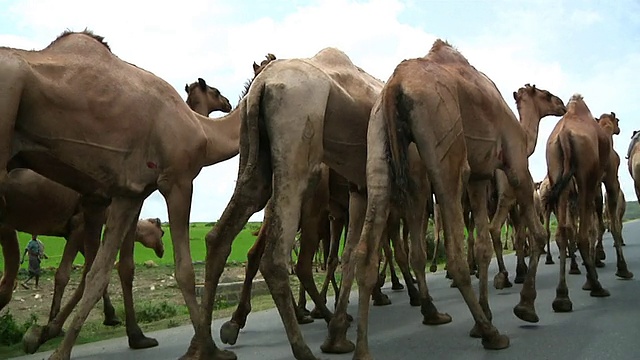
(152, 165)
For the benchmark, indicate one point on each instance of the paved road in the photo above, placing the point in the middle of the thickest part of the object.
(598, 328)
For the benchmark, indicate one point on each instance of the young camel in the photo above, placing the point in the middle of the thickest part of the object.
(300, 113)
(115, 149)
(582, 148)
(498, 140)
(58, 211)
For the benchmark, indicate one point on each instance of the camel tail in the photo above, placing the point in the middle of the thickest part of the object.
(561, 182)
(399, 137)
(250, 132)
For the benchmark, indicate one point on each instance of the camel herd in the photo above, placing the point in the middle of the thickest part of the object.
(323, 145)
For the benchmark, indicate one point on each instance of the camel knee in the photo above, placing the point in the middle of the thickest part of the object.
(217, 246)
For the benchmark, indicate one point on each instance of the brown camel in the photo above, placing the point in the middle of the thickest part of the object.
(533, 104)
(633, 161)
(444, 90)
(285, 140)
(37, 205)
(115, 149)
(582, 148)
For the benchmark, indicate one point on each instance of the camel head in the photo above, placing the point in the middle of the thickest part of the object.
(149, 233)
(258, 68)
(610, 122)
(545, 102)
(205, 99)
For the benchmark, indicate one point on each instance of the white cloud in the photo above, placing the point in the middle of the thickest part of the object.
(181, 41)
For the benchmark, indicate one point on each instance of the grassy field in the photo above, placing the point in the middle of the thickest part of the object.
(55, 245)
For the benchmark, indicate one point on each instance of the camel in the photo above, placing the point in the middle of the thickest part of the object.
(37, 205)
(115, 148)
(300, 113)
(582, 148)
(572, 223)
(458, 108)
(633, 161)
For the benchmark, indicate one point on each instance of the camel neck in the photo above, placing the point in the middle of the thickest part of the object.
(223, 136)
(530, 121)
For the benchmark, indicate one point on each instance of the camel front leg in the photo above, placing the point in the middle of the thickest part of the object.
(613, 187)
(63, 273)
(562, 302)
(336, 341)
(11, 254)
(437, 227)
(505, 202)
(121, 223)
(547, 218)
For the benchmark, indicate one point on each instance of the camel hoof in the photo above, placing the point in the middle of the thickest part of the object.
(303, 310)
(382, 300)
(433, 268)
(526, 313)
(600, 293)
(229, 332)
(519, 279)
(31, 339)
(475, 332)
(453, 284)
(586, 286)
(624, 274)
(316, 313)
(142, 342)
(304, 319)
(562, 304)
(337, 347)
(437, 319)
(415, 300)
(600, 254)
(549, 261)
(501, 281)
(498, 342)
(574, 271)
(349, 318)
(397, 286)
(599, 263)
(112, 322)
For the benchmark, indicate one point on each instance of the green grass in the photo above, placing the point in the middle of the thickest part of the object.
(243, 242)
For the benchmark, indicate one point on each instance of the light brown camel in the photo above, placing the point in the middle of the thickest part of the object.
(633, 161)
(582, 148)
(300, 113)
(445, 106)
(37, 205)
(115, 148)
(314, 208)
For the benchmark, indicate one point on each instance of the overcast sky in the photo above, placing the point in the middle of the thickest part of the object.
(590, 47)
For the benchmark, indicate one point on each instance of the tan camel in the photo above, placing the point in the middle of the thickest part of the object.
(582, 148)
(314, 208)
(633, 161)
(285, 140)
(418, 89)
(572, 221)
(37, 205)
(115, 145)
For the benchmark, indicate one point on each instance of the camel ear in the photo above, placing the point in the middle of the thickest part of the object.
(186, 88)
(613, 115)
(515, 96)
(202, 84)
(635, 132)
(270, 56)
(255, 66)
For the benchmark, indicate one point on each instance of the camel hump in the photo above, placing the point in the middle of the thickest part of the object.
(77, 41)
(442, 52)
(332, 56)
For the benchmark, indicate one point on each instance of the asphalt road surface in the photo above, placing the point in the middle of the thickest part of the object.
(598, 328)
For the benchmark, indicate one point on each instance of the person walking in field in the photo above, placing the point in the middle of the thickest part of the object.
(35, 249)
